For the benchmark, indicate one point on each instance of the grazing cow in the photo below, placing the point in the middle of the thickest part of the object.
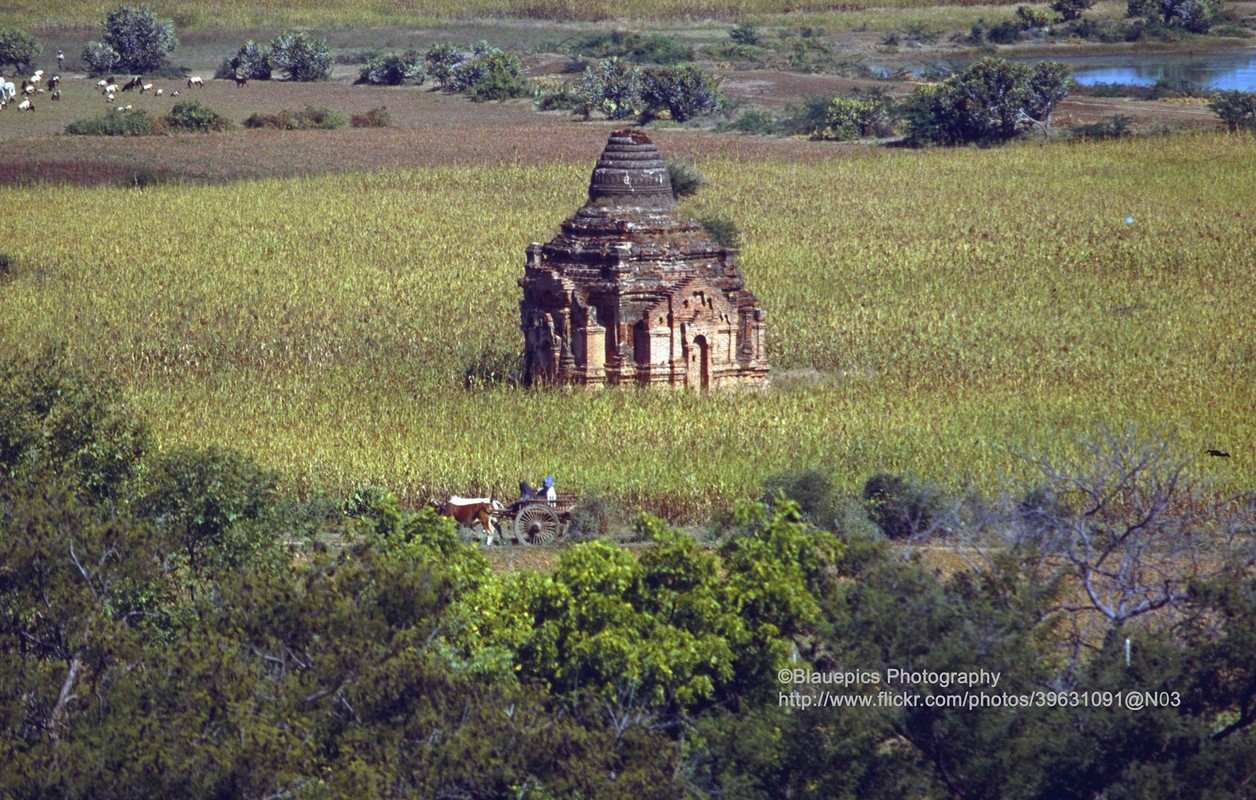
(111, 89)
(147, 87)
(8, 90)
(470, 511)
(240, 81)
(134, 83)
(26, 105)
(195, 80)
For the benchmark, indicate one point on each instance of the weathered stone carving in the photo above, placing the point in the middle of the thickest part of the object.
(628, 293)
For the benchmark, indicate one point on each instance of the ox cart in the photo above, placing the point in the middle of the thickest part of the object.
(536, 520)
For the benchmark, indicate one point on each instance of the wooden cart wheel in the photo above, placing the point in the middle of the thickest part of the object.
(536, 523)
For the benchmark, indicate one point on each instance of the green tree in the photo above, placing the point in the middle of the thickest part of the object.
(489, 73)
(1236, 109)
(141, 40)
(18, 49)
(58, 419)
(301, 56)
(989, 101)
(219, 505)
(440, 61)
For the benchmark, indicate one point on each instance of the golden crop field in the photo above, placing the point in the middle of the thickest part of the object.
(933, 311)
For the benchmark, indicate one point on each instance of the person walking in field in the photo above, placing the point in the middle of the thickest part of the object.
(60, 61)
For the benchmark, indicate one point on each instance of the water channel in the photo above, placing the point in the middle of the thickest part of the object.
(1221, 71)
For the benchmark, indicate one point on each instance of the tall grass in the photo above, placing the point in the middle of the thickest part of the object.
(929, 311)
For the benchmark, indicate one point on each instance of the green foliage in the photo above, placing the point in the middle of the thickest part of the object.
(135, 122)
(100, 58)
(1236, 109)
(745, 33)
(753, 121)
(393, 69)
(490, 74)
(18, 49)
(70, 424)
(904, 507)
(1196, 16)
(812, 492)
(190, 116)
(685, 92)
(1031, 18)
(251, 61)
(634, 47)
(685, 178)
(485, 73)
(989, 101)
(440, 61)
(1071, 9)
(217, 505)
(141, 40)
(301, 56)
(613, 87)
(308, 118)
(851, 118)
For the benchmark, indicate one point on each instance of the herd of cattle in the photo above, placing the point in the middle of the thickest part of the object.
(35, 85)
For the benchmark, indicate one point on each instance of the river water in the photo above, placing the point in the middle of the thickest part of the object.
(1221, 71)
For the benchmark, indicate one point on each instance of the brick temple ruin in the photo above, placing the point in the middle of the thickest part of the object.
(628, 293)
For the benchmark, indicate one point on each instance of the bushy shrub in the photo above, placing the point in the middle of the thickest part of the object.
(1236, 109)
(489, 74)
(440, 61)
(118, 123)
(1196, 16)
(592, 518)
(309, 118)
(850, 118)
(99, 58)
(1069, 9)
(302, 56)
(903, 507)
(745, 33)
(808, 119)
(565, 97)
(141, 40)
(613, 87)
(811, 489)
(393, 69)
(485, 73)
(18, 49)
(191, 116)
(685, 92)
(755, 121)
(634, 47)
(251, 61)
(685, 177)
(375, 118)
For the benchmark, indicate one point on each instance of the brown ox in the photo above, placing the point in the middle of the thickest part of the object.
(470, 511)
